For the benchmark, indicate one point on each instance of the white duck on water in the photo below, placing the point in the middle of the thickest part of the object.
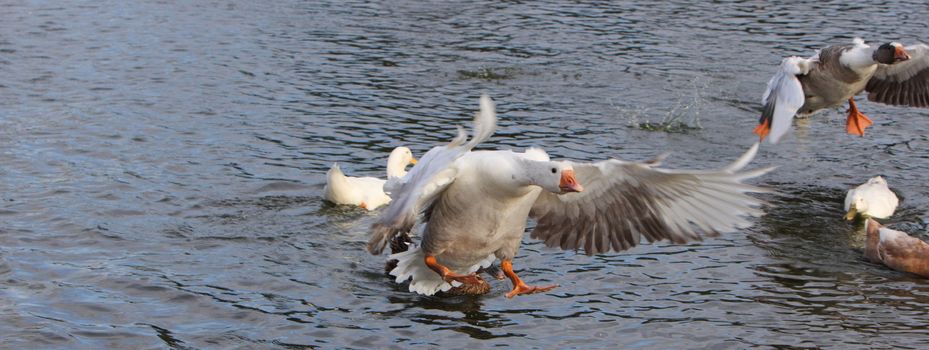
(475, 205)
(872, 199)
(366, 192)
(890, 73)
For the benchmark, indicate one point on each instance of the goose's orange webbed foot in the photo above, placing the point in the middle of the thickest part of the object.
(519, 287)
(447, 274)
(856, 122)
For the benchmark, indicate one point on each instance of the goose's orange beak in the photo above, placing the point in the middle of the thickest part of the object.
(413, 161)
(900, 54)
(569, 182)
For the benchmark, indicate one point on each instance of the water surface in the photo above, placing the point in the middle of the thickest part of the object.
(162, 166)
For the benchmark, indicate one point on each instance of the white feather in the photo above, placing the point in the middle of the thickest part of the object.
(536, 154)
(743, 160)
(887, 235)
(859, 57)
(788, 94)
(412, 266)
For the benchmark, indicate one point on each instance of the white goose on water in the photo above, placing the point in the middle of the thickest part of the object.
(871, 199)
(890, 73)
(475, 206)
(366, 192)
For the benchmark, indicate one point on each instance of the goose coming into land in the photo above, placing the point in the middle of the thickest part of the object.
(474, 206)
(890, 73)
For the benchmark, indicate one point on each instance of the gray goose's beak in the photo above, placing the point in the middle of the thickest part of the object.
(900, 54)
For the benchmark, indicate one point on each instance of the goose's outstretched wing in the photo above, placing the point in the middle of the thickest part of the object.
(624, 201)
(783, 98)
(427, 180)
(904, 83)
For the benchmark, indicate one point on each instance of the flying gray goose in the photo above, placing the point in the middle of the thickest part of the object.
(890, 73)
(474, 206)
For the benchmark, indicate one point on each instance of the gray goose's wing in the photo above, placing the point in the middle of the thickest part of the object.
(784, 96)
(435, 171)
(904, 83)
(624, 201)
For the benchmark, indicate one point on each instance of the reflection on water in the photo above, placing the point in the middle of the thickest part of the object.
(163, 164)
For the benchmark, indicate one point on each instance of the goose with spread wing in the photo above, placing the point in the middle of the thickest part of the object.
(891, 74)
(474, 206)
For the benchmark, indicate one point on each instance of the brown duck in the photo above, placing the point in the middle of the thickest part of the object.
(896, 249)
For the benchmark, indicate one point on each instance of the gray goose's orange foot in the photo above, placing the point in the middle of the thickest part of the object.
(856, 122)
(448, 275)
(519, 287)
(526, 289)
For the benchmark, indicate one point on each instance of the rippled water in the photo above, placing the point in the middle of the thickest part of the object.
(162, 165)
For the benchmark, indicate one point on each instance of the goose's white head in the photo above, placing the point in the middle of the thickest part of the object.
(555, 177)
(399, 158)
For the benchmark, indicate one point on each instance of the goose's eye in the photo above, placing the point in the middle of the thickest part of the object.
(554, 170)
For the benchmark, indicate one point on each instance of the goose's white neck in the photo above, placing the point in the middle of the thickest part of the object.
(502, 175)
(859, 58)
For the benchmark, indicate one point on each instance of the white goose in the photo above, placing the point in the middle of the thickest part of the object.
(366, 192)
(871, 199)
(891, 74)
(475, 206)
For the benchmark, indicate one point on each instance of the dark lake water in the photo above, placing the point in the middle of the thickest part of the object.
(162, 166)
